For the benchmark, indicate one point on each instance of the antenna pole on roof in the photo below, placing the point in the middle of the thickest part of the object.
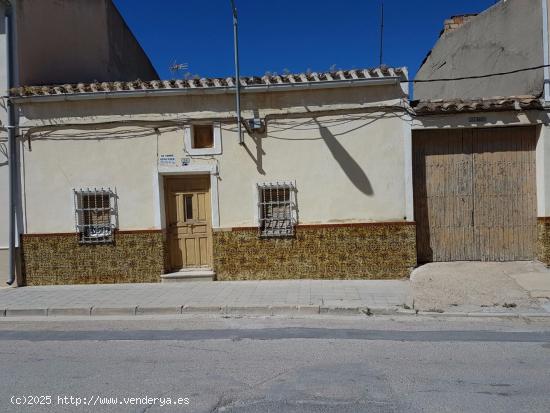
(382, 33)
(237, 71)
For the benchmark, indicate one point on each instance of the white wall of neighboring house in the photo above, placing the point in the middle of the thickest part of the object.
(543, 172)
(3, 156)
(349, 166)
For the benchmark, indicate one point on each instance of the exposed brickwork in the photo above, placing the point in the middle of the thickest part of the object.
(364, 251)
(543, 253)
(60, 259)
(457, 21)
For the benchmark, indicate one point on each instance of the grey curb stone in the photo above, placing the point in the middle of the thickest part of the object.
(106, 311)
(485, 315)
(535, 315)
(288, 310)
(190, 309)
(383, 310)
(495, 315)
(295, 309)
(252, 310)
(78, 311)
(402, 311)
(344, 310)
(434, 314)
(158, 310)
(26, 312)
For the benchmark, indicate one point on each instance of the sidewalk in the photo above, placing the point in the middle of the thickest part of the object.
(455, 289)
(299, 297)
(522, 286)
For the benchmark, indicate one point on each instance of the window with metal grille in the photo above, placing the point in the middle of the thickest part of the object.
(95, 215)
(277, 209)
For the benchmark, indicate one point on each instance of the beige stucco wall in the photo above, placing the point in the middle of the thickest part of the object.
(3, 155)
(349, 166)
(119, 159)
(506, 37)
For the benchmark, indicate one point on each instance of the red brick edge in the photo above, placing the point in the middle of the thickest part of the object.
(544, 220)
(73, 234)
(306, 226)
(348, 225)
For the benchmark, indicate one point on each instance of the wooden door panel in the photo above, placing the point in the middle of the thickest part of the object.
(443, 195)
(475, 194)
(505, 187)
(188, 221)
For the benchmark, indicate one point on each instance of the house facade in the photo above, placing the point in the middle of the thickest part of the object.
(79, 41)
(149, 181)
(481, 143)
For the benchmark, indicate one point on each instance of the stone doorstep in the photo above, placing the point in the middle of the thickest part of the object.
(193, 274)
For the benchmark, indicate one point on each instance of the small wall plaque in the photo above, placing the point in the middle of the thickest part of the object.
(167, 160)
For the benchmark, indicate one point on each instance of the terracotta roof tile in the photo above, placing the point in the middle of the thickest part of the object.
(431, 107)
(205, 83)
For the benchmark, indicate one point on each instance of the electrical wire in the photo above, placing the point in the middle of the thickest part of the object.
(452, 79)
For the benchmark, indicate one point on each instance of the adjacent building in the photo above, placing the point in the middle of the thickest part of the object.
(481, 144)
(78, 41)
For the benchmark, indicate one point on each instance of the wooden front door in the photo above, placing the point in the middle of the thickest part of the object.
(188, 222)
(475, 194)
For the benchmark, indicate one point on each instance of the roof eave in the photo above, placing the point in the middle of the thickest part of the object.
(328, 84)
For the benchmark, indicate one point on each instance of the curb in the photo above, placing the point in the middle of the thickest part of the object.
(277, 310)
(485, 315)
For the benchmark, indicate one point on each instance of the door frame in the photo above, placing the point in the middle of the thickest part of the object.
(171, 171)
(161, 172)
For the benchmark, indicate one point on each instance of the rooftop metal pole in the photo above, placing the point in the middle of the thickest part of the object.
(11, 145)
(382, 34)
(237, 71)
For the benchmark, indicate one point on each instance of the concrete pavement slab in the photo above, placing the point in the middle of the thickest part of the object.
(537, 283)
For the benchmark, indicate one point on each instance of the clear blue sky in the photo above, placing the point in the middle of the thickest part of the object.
(294, 35)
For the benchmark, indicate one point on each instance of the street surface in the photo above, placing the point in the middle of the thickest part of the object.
(316, 364)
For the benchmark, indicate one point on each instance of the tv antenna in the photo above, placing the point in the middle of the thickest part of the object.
(176, 68)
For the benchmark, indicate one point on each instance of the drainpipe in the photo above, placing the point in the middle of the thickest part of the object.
(237, 71)
(11, 126)
(545, 35)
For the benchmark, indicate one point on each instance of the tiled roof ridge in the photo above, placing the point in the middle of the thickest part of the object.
(496, 103)
(205, 83)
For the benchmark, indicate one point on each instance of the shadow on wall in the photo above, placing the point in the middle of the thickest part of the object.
(260, 153)
(350, 167)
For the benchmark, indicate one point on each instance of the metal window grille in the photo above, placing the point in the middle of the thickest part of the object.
(277, 209)
(95, 215)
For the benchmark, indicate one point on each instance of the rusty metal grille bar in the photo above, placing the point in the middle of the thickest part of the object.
(96, 215)
(277, 209)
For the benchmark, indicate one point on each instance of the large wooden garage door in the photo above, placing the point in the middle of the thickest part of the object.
(475, 194)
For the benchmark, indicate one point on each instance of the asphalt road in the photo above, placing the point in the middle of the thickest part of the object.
(274, 365)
